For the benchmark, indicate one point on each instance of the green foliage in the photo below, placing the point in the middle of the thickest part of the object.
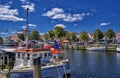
(68, 36)
(59, 32)
(1, 40)
(46, 36)
(51, 34)
(21, 36)
(34, 35)
(110, 34)
(98, 34)
(84, 36)
(73, 36)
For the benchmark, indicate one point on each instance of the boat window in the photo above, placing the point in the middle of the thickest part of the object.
(49, 54)
(23, 55)
(45, 54)
(18, 55)
(54, 57)
(41, 55)
(28, 56)
(34, 55)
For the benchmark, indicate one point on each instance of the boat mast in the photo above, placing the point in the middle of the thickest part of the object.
(26, 30)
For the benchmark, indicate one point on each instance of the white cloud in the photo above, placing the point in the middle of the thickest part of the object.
(3, 33)
(32, 25)
(58, 13)
(9, 14)
(31, 7)
(41, 33)
(60, 25)
(26, 4)
(93, 10)
(53, 12)
(75, 24)
(10, 2)
(23, 27)
(23, 1)
(88, 14)
(105, 23)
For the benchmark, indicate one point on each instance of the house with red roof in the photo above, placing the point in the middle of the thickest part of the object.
(90, 36)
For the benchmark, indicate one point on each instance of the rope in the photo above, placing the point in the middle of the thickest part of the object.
(64, 71)
(58, 72)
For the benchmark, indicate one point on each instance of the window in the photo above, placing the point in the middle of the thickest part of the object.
(28, 56)
(23, 55)
(41, 55)
(45, 54)
(18, 55)
(49, 54)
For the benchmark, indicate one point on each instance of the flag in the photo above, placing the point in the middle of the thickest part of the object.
(56, 48)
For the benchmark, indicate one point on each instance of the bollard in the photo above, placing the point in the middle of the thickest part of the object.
(37, 67)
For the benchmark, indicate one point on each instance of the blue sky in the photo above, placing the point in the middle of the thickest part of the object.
(72, 15)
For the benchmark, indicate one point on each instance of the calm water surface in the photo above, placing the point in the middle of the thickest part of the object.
(88, 64)
(94, 64)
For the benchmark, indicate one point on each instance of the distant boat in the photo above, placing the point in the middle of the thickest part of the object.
(118, 48)
(96, 48)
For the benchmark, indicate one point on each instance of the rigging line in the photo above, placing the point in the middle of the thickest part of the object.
(64, 71)
(58, 71)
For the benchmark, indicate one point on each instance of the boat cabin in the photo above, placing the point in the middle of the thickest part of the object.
(25, 57)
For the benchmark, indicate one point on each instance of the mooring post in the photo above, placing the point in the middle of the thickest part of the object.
(37, 67)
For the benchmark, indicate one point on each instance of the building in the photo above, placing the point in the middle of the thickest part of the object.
(118, 35)
(90, 36)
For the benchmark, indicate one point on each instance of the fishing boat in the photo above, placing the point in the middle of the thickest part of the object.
(52, 62)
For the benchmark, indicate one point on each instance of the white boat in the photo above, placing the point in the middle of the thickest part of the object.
(96, 48)
(118, 48)
(52, 64)
(8, 49)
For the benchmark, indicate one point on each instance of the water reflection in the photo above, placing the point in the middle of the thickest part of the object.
(94, 64)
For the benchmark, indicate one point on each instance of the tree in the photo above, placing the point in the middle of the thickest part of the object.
(51, 34)
(59, 32)
(110, 34)
(34, 35)
(21, 36)
(73, 36)
(84, 36)
(46, 36)
(1, 40)
(98, 34)
(68, 36)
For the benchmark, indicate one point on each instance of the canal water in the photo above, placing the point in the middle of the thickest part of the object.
(88, 64)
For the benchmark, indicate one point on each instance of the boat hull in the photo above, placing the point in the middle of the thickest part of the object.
(96, 48)
(8, 49)
(47, 72)
(118, 49)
